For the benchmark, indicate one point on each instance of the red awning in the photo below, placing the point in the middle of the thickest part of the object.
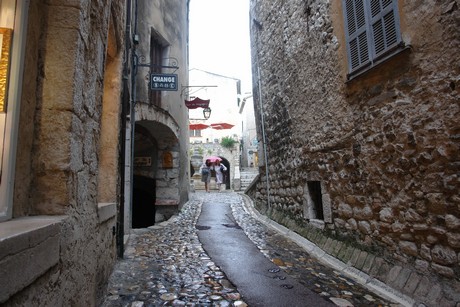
(198, 126)
(197, 103)
(221, 126)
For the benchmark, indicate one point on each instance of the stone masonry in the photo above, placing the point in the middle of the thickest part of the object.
(60, 245)
(366, 168)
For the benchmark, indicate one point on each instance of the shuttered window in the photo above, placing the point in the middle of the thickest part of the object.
(156, 57)
(372, 32)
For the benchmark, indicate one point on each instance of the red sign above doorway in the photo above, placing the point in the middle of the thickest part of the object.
(197, 103)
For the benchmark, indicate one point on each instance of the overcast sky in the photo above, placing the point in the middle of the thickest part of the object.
(219, 38)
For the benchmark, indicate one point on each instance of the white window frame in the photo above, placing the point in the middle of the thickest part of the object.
(195, 133)
(372, 32)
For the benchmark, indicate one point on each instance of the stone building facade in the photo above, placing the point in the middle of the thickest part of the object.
(249, 152)
(160, 142)
(360, 109)
(223, 93)
(61, 181)
(68, 80)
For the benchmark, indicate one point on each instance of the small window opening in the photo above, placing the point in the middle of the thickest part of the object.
(314, 191)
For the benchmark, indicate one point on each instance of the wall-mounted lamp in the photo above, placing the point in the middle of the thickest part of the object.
(207, 113)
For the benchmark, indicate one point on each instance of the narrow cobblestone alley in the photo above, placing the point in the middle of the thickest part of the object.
(166, 265)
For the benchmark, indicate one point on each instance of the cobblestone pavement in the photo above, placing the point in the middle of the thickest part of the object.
(165, 265)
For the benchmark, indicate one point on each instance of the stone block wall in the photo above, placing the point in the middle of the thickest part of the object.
(58, 154)
(381, 149)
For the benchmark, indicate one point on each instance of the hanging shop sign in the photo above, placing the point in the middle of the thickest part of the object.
(197, 103)
(163, 82)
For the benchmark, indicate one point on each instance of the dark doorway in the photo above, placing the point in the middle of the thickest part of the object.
(227, 173)
(144, 195)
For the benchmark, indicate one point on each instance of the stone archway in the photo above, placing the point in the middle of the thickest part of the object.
(156, 156)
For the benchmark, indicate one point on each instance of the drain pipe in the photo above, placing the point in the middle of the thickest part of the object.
(122, 153)
(264, 138)
(258, 26)
(129, 166)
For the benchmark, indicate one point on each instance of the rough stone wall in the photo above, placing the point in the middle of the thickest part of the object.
(60, 125)
(384, 146)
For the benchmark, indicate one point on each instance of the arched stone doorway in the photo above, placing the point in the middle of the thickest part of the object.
(144, 182)
(156, 160)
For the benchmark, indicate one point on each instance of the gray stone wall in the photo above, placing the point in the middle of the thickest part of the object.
(166, 20)
(383, 147)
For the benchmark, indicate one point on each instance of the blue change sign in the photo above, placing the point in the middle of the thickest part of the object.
(163, 82)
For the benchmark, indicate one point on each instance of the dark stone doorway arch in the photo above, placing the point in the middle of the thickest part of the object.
(144, 194)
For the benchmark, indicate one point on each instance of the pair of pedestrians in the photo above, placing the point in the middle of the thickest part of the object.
(206, 169)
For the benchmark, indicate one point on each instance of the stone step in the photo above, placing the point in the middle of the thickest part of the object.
(248, 176)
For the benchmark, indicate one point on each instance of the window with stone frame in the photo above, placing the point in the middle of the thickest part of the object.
(372, 33)
(156, 58)
(317, 207)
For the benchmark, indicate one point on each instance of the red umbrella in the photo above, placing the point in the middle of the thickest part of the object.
(213, 158)
(221, 126)
(198, 126)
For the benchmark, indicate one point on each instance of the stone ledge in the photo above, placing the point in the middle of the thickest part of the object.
(29, 245)
(166, 202)
(106, 211)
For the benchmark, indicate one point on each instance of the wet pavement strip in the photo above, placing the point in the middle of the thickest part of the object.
(309, 271)
(260, 281)
(166, 265)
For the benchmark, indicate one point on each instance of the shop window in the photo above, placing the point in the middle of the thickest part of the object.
(372, 33)
(12, 14)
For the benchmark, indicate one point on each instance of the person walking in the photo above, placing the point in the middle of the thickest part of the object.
(220, 169)
(206, 174)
